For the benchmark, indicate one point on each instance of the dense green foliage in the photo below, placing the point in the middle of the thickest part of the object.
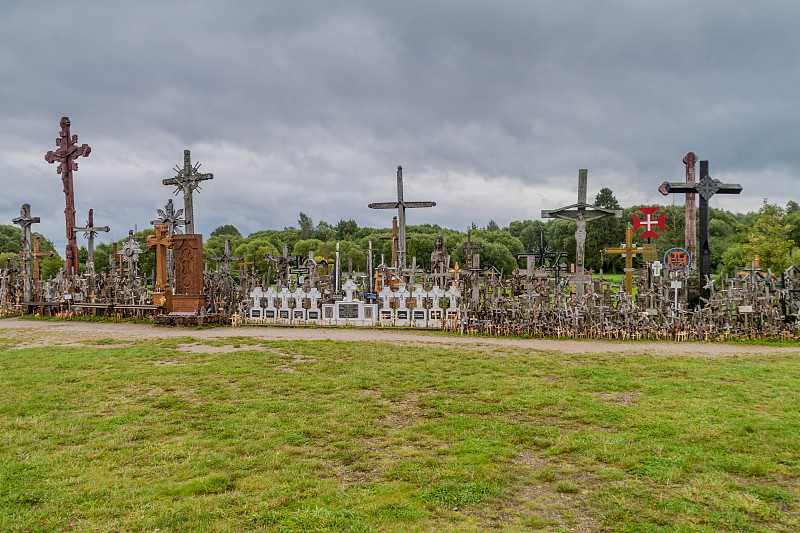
(771, 233)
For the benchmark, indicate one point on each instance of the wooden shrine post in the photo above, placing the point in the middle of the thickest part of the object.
(690, 231)
(706, 188)
(161, 240)
(66, 155)
(401, 205)
(36, 255)
(581, 213)
(628, 251)
(188, 180)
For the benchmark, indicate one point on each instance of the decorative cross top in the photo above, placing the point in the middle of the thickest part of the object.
(169, 217)
(130, 254)
(90, 231)
(401, 205)
(706, 188)
(188, 180)
(66, 155)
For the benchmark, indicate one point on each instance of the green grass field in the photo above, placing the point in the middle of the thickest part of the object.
(290, 436)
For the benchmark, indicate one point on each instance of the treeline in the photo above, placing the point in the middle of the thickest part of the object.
(770, 233)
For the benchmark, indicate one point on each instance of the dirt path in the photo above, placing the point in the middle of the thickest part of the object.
(44, 332)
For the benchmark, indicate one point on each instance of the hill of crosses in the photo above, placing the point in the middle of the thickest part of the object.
(670, 295)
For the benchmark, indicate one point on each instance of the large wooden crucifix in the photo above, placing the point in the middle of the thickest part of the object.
(24, 221)
(581, 213)
(628, 250)
(66, 155)
(401, 205)
(706, 188)
(188, 180)
(90, 232)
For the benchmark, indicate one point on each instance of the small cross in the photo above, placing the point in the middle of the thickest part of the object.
(401, 205)
(187, 180)
(130, 254)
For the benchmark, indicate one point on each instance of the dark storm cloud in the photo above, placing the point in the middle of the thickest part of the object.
(309, 106)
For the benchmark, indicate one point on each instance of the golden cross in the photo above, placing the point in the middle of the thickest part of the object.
(628, 251)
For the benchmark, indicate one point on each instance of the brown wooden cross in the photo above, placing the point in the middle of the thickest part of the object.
(188, 180)
(36, 255)
(401, 206)
(395, 236)
(161, 240)
(690, 231)
(706, 188)
(66, 155)
(469, 248)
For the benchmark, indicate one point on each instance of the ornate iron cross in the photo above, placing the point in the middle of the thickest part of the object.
(24, 221)
(90, 233)
(188, 180)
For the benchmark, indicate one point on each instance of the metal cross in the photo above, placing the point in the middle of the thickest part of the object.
(401, 205)
(130, 254)
(24, 221)
(226, 259)
(90, 232)
(187, 180)
(706, 188)
(169, 217)
(66, 155)
(581, 213)
(542, 254)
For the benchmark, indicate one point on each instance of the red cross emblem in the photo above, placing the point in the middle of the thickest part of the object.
(649, 222)
(677, 259)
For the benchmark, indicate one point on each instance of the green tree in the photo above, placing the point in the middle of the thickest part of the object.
(346, 229)
(306, 226)
(228, 230)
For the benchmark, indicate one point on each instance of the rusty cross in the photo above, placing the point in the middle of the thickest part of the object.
(187, 180)
(706, 188)
(90, 232)
(24, 221)
(160, 241)
(66, 155)
(401, 205)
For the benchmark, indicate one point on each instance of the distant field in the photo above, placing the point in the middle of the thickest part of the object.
(253, 435)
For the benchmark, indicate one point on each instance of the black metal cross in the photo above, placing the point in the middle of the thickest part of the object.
(543, 254)
(706, 188)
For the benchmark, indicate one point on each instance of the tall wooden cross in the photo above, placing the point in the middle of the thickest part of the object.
(188, 180)
(401, 205)
(395, 236)
(690, 231)
(581, 213)
(24, 221)
(66, 155)
(172, 220)
(36, 255)
(628, 250)
(469, 248)
(160, 240)
(90, 232)
(706, 188)
(226, 258)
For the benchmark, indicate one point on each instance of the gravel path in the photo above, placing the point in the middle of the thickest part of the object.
(45, 333)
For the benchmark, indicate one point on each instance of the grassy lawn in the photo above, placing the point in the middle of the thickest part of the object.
(172, 435)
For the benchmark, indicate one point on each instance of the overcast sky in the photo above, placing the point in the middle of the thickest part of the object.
(490, 107)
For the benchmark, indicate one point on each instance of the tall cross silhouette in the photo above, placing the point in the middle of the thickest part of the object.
(401, 205)
(66, 155)
(24, 221)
